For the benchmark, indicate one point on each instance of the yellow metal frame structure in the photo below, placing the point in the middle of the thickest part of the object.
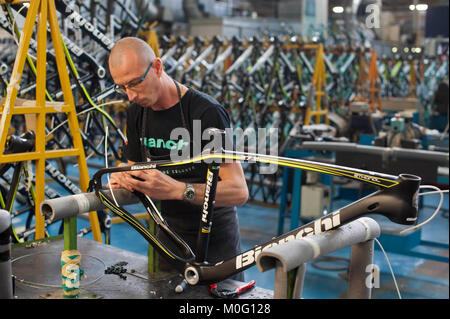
(367, 84)
(362, 82)
(152, 38)
(319, 83)
(374, 87)
(40, 12)
(412, 78)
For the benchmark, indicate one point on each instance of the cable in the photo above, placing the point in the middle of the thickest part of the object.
(82, 112)
(435, 212)
(441, 192)
(25, 5)
(16, 35)
(438, 191)
(86, 94)
(106, 163)
(389, 264)
(39, 285)
(77, 78)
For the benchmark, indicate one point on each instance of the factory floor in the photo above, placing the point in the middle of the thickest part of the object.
(417, 278)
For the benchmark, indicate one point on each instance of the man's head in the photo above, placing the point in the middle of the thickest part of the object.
(134, 67)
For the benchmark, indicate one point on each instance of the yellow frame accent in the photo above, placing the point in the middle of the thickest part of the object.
(319, 82)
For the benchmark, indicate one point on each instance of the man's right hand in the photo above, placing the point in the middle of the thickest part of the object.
(119, 179)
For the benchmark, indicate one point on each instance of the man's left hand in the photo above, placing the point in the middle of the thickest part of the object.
(156, 185)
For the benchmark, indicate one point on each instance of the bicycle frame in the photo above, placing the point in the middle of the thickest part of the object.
(397, 200)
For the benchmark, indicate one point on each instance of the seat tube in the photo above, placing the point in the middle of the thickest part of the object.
(207, 208)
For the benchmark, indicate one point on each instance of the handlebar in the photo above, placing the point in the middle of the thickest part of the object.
(20, 144)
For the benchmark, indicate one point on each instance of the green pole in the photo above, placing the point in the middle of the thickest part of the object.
(70, 233)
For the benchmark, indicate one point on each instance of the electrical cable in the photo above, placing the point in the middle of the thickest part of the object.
(82, 112)
(15, 37)
(107, 239)
(389, 264)
(77, 78)
(438, 191)
(435, 212)
(86, 94)
(106, 163)
(331, 258)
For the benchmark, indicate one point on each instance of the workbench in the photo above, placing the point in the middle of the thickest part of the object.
(39, 264)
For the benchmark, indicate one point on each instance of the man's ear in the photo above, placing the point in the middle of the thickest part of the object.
(158, 64)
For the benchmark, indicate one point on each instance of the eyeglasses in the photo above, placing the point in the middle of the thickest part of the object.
(122, 89)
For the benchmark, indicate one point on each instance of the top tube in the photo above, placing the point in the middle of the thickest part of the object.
(379, 179)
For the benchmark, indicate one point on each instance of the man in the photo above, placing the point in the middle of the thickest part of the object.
(159, 106)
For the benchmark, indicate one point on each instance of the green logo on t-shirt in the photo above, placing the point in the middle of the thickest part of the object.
(161, 144)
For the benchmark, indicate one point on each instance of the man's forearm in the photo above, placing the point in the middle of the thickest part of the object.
(227, 194)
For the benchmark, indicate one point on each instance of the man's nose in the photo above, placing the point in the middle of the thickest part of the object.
(131, 95)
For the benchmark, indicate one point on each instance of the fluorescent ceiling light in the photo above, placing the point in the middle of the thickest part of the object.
(421, 7)
(338, 9)
(412, 7)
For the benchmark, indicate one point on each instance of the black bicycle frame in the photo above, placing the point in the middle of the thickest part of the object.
(96, 35)
(396, 200)
(78, 52)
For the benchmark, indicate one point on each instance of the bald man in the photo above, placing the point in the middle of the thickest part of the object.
(160, 106)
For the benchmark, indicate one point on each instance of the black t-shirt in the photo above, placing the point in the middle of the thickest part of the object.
(182, 217)
(157, 141)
